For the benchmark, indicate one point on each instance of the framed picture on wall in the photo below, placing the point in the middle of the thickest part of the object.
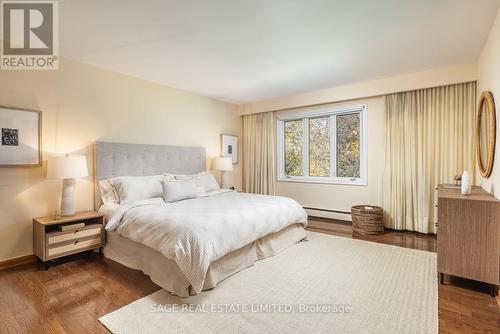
(229, 147)
(20, 132)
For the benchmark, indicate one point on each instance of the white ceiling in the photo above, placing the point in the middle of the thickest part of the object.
(249, 50)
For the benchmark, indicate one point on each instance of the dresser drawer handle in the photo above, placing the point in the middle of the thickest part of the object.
(76, 241)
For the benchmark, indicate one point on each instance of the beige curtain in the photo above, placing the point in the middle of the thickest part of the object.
(429, 138)
(258, 153)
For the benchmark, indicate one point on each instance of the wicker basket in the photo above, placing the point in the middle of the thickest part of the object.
(367, 219)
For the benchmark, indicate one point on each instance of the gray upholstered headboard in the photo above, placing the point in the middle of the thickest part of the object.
(119, 159)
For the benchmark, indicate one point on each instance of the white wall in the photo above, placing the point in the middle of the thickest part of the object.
(81, 104)
(489, 79)
(405, 82)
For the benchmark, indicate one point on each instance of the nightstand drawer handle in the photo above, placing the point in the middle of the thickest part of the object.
(76, 241)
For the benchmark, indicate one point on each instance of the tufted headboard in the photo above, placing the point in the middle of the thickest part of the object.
(119, 159)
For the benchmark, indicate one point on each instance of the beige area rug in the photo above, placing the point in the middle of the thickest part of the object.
(328, 284)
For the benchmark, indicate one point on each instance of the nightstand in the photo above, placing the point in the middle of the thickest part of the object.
(54, 238)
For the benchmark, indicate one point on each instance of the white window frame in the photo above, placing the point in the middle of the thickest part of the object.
(332, 113)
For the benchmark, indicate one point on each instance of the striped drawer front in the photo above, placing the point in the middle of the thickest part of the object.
(77, 245)
(56, 237)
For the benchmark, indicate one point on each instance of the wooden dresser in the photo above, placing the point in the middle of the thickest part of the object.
(468, 238)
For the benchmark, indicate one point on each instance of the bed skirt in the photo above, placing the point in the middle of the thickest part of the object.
(167, 274)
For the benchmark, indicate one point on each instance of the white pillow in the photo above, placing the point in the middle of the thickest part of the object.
(169, 176)
(108, 192)
(204, 181)
(136, 188)
(178, 190)
(185, 176)
(208, 181)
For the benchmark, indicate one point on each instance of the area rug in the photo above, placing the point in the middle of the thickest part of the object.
(327, 284)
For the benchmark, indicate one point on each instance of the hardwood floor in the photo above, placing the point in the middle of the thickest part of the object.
(73, 294)
(390, 237)
(69, 297)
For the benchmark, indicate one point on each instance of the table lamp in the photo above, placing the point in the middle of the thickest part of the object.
(223, 165)
(67, 168)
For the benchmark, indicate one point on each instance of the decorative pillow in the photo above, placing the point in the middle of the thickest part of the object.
(136, 188)
(200, 184)
(169, 176)
(108, 192)
(208, 181)
(178, 190)
(185, 176)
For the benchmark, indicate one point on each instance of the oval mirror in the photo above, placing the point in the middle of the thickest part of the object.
(485, 133)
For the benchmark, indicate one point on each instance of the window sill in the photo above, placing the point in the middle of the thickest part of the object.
(357, 182)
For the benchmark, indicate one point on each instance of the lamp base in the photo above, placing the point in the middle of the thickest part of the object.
(222, 179)
(68, 197)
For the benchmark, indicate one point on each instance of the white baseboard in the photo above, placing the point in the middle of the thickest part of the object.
(328, 214)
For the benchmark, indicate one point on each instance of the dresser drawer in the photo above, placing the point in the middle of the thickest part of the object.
(73, 247)
(87, 231)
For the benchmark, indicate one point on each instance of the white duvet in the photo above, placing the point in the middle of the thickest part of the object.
(196, 232)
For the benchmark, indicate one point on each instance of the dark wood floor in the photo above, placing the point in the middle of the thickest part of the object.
(73, 294)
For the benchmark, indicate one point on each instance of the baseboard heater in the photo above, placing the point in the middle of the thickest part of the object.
(327, 210)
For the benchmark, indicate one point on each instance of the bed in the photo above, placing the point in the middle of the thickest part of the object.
(190, 245)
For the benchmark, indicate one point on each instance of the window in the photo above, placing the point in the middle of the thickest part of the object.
(325, 146)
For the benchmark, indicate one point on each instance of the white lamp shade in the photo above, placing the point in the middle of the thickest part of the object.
(223, 164)
(67, 167)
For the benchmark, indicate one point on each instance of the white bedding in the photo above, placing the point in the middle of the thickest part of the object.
(196, 232)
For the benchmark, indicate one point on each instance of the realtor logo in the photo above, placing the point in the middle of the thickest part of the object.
(30, 35)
